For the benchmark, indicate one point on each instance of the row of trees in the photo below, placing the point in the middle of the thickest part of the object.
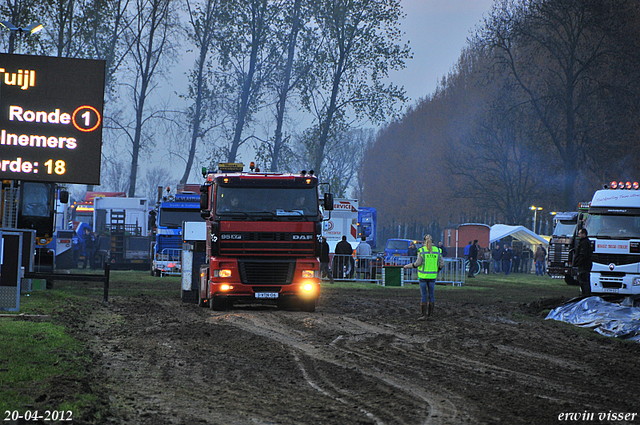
(541, 109)
(254, 62)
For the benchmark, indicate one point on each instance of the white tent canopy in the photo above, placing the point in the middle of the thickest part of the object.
(521, 233)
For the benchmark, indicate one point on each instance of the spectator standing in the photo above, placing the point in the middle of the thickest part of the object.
(525, 261)
(466, 251)
(412, 251)
(343, 253)
(324, 259)
(473, 258)
(89, 248)
(443, 249)
(412, 254)
(515, 261)
(496, 254)
(363, 255)
(582, 261)
(486, 259)
(507, 253)
(539, 258)
(427, 265)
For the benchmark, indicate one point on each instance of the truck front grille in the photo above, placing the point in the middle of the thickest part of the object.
(267, 243)
(557, 254)
(617, 259)
(266, 271)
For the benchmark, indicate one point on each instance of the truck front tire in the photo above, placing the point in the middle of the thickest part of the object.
(308, 305)
(569, 280)
(218, 304)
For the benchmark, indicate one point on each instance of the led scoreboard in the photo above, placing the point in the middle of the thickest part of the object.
(51, 118)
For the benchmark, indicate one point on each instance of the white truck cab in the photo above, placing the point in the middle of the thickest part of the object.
(613, 227)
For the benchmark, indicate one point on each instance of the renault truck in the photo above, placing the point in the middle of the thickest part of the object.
(613, 227)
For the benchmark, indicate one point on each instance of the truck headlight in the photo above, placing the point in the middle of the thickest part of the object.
(222, 273)
(307, 287)
(308, 274)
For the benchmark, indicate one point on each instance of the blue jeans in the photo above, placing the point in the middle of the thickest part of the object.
(540, 268)
(506, 266)
(427, 287)
(496, 266)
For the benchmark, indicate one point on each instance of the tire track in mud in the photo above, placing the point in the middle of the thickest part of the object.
(451, 362)
(351, 343)
(303, 334)
(326, 393)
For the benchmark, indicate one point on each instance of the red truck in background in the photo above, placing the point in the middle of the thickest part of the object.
(263, 238)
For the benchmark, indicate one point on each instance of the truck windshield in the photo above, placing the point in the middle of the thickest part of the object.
(173, 217)
(613, 226)
(271, 202)
(564, 228)
(35, 200)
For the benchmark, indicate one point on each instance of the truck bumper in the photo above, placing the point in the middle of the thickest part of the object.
(619, 283)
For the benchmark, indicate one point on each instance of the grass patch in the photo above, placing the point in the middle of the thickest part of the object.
(32, 355)
(517, 288)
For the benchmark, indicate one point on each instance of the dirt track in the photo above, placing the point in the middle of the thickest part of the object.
(360, 358)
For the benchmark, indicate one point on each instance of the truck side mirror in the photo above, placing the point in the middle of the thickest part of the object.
(204, 204)
(64, 197)
(328, 201)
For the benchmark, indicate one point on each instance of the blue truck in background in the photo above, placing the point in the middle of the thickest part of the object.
(171, 212)
(367, 224)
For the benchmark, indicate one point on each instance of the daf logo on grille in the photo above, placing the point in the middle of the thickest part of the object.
(302, 237)
(612, 266)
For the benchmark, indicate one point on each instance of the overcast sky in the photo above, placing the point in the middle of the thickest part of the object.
(437, 31)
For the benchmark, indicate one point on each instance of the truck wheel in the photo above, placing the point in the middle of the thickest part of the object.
(201, 301)
(569, 280)
(283, 304)
(308, 305)
(218, 304)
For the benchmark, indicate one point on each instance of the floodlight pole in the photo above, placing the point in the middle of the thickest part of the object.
(535, 216)
(19, 32)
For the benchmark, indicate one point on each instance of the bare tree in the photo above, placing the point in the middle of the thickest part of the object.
(153, 178)
(202, 18)
(115, 175)
(149, 37)
(344, 158)
(554, 49)
(246, 60)
(359, 48)
(107, 23)
(20, 13)
(285, 80)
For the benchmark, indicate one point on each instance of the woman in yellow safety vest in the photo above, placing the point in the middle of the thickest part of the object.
(427, 265)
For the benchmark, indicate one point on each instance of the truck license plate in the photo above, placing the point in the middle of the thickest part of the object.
(610, 290)
(269, 295)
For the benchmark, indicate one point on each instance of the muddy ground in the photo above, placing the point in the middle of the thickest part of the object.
(361, 358)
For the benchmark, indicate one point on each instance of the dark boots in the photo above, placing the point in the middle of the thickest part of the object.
(426, 310)
(423, 311)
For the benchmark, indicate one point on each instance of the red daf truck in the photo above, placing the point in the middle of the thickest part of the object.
(263, 238)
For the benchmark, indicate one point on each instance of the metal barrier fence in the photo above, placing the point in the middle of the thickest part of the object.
(369, 269)
(170, 254)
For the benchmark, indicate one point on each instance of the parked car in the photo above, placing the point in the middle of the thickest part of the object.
(396, 251)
